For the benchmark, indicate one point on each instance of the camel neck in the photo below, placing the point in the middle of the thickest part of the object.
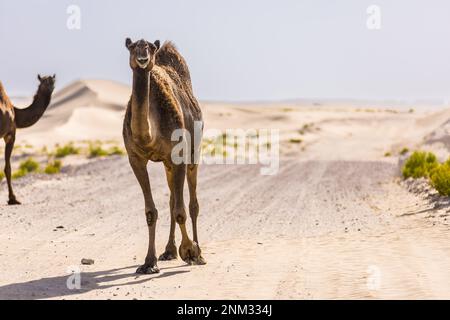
(140, 104)
(27, 117)
(41, 101)
(141, 88)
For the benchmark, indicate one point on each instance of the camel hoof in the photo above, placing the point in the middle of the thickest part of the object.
(191, 254)
(12, 202)
(168, 255)
(147, 269)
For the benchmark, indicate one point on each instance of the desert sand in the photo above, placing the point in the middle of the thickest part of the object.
(336, 221)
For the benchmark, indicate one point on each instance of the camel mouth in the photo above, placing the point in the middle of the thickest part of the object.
(143, 62)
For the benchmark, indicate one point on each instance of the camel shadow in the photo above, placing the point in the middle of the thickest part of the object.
(57, 287)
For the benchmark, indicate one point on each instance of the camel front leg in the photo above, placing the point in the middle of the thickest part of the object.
(9, 140)
(139, 167)
(189, 250)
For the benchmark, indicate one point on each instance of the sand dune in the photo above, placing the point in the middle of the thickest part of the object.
(106, 93)
(335, 222)
(84, 110)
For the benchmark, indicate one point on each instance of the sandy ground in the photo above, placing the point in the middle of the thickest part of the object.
(335, 222)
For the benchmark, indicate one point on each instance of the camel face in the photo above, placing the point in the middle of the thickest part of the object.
(142, 54)
(47, 82)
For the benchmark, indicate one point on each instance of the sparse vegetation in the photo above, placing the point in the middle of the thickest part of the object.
(113, 151)
(424, 164)
(65, 150)
(388, 154)
(26, 167)
(404, 151)
(295, 140)
(53, 167)
(307, 127)
(96, 150)
(2, 176)
(19, 174)
(420, 164)
(440, 178)
(29, 165)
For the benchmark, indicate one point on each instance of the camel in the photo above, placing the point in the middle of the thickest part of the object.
(12, 118)
(162, 101)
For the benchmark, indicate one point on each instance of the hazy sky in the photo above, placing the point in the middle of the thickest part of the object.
(239, 49)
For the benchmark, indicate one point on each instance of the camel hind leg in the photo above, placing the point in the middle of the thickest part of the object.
(191, 175)
(193, 202)
(170, 253)
(9, 141)
(189, 250)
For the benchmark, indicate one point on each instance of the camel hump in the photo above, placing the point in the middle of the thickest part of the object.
(3, 95)
(168, 56)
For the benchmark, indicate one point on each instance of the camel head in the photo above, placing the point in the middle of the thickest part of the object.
(142, 53)
(47, 83)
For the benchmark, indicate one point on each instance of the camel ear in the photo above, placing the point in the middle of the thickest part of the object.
(154, 46)
(54, 76)
(39, 77)
(128, 43)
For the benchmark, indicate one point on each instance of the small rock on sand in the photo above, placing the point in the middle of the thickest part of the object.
(87, 261)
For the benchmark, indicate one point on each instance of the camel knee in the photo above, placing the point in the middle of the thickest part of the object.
(193, 209)
(151, 216)
(180, 215)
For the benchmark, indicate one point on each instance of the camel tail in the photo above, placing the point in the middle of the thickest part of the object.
(169, 56)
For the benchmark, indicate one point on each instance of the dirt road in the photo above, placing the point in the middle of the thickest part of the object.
(317, 229)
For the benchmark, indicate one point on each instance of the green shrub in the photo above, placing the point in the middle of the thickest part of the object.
(2, 176)
(115, 151)
(53, 167)
(96, 151)
(295, 140)
(68, 149)
(404, 151)
(387, 154)
(19, 174)
(420, 164)
(26, 167)
(29, 165)
(440, 179)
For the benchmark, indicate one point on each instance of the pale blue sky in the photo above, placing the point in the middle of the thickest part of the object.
(239, 50)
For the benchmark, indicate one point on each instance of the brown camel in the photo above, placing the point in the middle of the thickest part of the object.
(12, 118)
(161, 102)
